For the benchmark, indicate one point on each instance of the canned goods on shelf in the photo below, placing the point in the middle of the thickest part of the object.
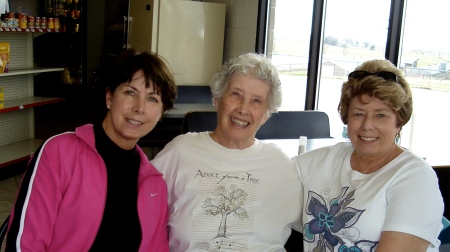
(22, 20)
(37, 23)
(57, 23)
(43, 22)
(31, 22)
(50, 23)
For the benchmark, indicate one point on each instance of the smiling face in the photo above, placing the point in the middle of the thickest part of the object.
(133, 112)
(242, 109)
(372, 126)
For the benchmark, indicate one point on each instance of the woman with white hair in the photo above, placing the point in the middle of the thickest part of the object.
(228, 190)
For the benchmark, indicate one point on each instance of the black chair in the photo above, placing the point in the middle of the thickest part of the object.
(443, 174)
(194, 94)
(295, 242)
(165, 130)
(292, 124)
(444, 236)
(199, 121)
(3, 229)
(281, 125)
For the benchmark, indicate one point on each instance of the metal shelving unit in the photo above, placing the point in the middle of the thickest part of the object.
(17, 117)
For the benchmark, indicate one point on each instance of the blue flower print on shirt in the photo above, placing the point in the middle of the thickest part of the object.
(360, 246)
(329, 220)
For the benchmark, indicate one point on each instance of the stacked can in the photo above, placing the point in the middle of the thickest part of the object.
(43, 22)
(31, 22)
(38, 23)
(22, 20)
(50, 23)
(57, 23)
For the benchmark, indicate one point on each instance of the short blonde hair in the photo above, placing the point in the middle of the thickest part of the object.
(395, 94)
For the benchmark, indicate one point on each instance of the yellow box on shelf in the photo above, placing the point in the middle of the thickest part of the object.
(4, 57)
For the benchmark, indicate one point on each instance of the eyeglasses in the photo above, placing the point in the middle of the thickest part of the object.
(358, 75)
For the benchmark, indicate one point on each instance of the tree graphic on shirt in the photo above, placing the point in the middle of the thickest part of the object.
(226, 201)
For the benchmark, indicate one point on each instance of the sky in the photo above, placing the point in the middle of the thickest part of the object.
(426, 25)
(367, 21)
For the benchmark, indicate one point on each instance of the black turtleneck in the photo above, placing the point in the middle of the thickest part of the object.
(120, 229)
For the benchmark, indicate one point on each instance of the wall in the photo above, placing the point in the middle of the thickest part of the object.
(240, 26)
(240, 38)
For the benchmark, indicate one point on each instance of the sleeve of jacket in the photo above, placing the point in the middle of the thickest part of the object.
(36, 206)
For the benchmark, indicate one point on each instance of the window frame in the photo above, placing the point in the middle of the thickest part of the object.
(393, 42)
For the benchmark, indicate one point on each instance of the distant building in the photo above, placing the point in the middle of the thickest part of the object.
(410, 63)
(331, 69)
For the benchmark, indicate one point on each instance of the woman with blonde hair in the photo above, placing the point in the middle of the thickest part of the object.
(370, 193)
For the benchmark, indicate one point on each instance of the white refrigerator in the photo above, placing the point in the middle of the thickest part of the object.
(188, 34)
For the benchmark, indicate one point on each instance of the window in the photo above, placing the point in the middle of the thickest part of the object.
(350, 38)
(289, 48)
(353, 31)
(424, 59)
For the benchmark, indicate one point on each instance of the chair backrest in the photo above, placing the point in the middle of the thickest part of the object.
(199, 121)
(281, 125)
(445, 223)
(3, 229)
(443, 174)
(295, 242)
(194, 94)
(292, 124)
(444, 236)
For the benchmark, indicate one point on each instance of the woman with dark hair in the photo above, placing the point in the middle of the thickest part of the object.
(94, 189)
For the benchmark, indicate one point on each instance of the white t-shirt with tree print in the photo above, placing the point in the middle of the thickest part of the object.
(226, 199)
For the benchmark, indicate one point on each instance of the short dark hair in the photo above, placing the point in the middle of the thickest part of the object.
(155, 70)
